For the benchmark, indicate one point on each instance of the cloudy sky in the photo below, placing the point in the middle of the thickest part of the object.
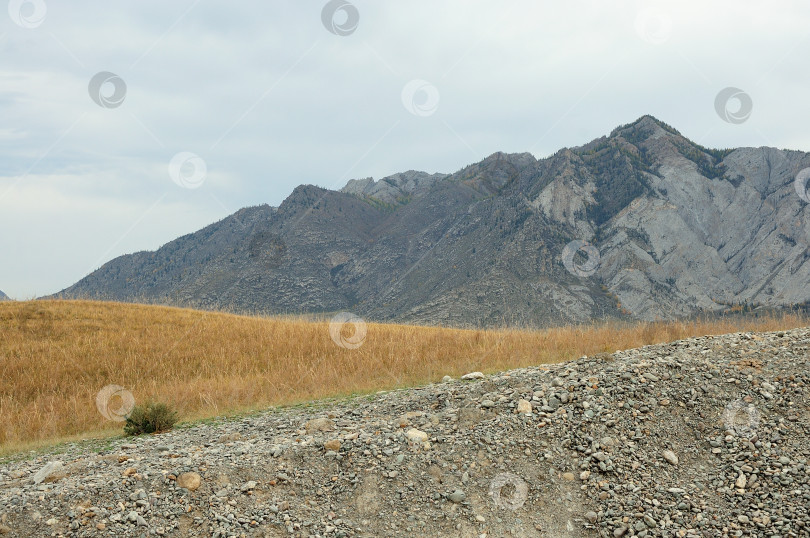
(126, 125)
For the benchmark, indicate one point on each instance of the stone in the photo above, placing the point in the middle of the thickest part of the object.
(51, 471)
(472, 376)
(332, 444)
(416, 436)
(319, 425)
(671, 457)
(457, 496)
(189, 481)
(524, 407)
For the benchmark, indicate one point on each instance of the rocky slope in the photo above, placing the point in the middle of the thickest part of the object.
(641, 224)
(700, 437)
(396, 189)
(3, 296)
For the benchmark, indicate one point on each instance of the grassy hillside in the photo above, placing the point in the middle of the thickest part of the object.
(55, 357)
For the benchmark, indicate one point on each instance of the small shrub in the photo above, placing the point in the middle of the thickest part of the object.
(150, 418)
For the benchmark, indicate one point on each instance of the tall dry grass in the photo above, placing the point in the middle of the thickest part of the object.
(55, 356)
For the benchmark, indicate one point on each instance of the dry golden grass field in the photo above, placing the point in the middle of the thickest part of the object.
(55, 357)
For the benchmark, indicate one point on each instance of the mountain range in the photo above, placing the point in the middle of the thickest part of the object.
(640, 224)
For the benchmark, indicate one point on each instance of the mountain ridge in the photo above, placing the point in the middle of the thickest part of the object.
(678, 229)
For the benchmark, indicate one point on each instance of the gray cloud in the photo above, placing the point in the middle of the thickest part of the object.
(270, 99)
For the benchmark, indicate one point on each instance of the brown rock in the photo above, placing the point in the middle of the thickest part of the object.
(332, 444)
(584, 475)
(190, 481)
(319, 425)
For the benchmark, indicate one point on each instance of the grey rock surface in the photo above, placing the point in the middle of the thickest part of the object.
(396, 189)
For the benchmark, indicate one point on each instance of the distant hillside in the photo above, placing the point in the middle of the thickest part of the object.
(4, 297)
(675, 229)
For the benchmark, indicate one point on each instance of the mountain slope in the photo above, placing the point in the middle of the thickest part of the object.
(678, 228)
(3, 296)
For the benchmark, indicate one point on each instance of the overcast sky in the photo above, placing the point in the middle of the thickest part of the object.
(249, 99)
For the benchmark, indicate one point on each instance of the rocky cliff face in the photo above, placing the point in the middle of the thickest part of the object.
(640, 224)
(397, 189)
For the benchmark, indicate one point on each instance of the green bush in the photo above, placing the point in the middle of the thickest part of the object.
(150, 418)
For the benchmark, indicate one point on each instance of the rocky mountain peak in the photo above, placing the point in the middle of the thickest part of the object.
(678, 229)
(643, 128)
(395, 189)
(490, 175)
(3, 297)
